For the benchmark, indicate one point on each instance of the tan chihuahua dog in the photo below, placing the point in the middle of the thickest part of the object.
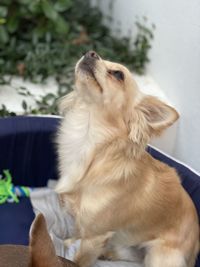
(120, 196)
(40, 253)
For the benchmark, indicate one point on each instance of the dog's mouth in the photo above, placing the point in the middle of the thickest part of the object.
(88, 62)
(88, 66)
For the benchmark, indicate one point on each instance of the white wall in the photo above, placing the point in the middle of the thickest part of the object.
(175, 61)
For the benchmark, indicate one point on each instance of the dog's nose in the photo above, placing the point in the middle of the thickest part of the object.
(91, 55)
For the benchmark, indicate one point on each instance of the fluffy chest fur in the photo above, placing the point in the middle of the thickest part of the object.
(79, 134)
(75, 147)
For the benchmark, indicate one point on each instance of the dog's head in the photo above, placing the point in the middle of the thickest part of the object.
(40, 253)
(110, 88)
(102, 82)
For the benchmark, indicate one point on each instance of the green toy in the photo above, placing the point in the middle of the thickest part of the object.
(9, 192)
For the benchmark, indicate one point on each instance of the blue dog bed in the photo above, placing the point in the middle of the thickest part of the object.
(27, 149)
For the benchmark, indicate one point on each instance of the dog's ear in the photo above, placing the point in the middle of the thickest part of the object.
(42, 251)
(158, 115)
(149, 118)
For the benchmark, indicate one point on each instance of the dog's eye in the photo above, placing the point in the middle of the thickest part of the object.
(119, 75)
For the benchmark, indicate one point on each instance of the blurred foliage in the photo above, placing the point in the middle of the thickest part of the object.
(4, 112)
(42, 38)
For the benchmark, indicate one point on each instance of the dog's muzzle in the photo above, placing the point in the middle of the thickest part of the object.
(88, 62)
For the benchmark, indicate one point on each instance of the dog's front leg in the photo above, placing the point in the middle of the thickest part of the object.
(91, 248)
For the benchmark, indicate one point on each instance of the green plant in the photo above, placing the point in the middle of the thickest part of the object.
(4, 112)
(44, 38)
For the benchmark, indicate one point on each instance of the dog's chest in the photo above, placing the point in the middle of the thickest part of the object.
(76, 143)
(75, 133)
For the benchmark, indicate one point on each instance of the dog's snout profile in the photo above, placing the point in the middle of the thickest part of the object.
(91, 55)
(88, 64)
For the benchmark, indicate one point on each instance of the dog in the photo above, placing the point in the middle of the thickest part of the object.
(124, 201)
(40, 253)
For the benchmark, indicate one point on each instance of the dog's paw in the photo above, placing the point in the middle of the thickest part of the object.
(109, 256)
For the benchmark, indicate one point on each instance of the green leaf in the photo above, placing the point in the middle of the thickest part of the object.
(48, 37)
(2, 21)
(24, 105)
(3, 11)
(25, 2)
(48, 97)
(61, 25)
(62, 5)
(49, 10)
(38, 33)
(4, 37)
(6, 2)
(35, 7)
(12, 23)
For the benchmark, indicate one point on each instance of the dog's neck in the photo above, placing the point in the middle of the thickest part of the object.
(82, 130)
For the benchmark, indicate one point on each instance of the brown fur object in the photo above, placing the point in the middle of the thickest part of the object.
(40, 253)
(127, 205)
